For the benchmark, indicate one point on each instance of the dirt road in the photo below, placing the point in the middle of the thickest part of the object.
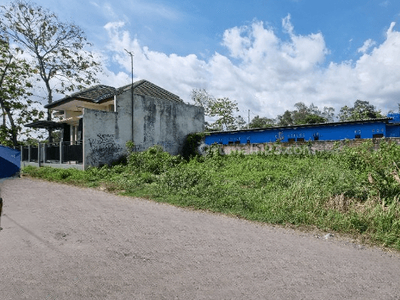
(62, 242)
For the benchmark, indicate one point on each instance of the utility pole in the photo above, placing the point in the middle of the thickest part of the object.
(131, 54)
(248, 120)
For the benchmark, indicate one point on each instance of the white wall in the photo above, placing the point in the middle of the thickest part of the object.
(155, 122)
(101, 141)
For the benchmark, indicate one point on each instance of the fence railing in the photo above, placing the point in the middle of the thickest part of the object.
(53, 153)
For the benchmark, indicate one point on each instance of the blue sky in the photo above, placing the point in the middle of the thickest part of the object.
(265, 54)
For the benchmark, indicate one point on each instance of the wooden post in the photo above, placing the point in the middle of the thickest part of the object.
(29, 153)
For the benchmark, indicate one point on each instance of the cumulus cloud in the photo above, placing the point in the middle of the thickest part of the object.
(267, 74)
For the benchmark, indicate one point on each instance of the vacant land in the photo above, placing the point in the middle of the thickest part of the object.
(355, 191)
(64, 242)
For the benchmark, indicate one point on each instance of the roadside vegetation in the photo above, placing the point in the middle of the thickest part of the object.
(353, 191)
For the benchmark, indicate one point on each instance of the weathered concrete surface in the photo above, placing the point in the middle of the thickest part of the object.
(62, 242)
(164, 123)
(155, 121)
(101, 142)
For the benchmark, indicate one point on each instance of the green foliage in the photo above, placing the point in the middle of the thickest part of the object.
(376, 169)
(154, 160)
(305, 115)
(354, 190)
(58, 48)
(192, 142)
(263, 122)
(360, 111)
(15, 109)
(221, 108)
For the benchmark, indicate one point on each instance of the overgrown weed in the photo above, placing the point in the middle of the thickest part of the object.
(353, 190)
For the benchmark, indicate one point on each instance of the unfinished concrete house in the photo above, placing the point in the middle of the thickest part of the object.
(96, 124)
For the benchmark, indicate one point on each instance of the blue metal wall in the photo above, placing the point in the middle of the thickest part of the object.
(323, 132)
(10, 161)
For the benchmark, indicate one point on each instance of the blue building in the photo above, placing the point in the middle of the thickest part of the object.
(363, 129)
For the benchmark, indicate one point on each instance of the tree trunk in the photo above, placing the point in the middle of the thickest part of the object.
(10, 118)
(49, 101)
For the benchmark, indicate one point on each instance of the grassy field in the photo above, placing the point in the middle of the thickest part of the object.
(353, 191)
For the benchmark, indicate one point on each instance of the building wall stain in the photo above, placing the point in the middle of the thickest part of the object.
(103, 149)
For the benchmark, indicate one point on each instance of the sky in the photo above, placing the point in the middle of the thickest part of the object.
(266, 55)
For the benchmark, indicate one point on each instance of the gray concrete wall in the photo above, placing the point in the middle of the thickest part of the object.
(155, 122)
(158, 121)
(102, 143)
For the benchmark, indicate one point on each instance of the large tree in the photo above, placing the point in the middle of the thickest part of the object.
(261, 122)
(15, 108)
(221, 109)
(58, 49)
(303, 114)
(361, 110)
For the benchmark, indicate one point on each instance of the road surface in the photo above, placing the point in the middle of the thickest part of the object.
(63, 242)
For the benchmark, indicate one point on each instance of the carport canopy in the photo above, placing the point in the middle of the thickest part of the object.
(45, 124)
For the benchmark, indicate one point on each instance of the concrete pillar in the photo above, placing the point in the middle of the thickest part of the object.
(39, 155)
(44, 153)
(61, 152)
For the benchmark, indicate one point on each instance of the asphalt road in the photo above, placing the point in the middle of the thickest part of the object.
(63, 242)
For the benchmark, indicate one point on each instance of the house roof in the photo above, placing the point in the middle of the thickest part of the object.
(146, 88)
(101, 93)
(45, 124)
(95, 94)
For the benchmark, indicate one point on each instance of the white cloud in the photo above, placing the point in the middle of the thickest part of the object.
(287, 25)
(367, 45)
(267, 74)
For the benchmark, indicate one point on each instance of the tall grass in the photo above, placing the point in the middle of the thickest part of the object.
(354, 190)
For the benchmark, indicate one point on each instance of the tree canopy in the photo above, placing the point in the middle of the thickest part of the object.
(221, 108)
(57, 49)
(224, 109)
(304, 114)
(16, 109)
(361, 110)
(261, 122)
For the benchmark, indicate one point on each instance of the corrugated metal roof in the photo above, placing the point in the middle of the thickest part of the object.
(305, 125)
